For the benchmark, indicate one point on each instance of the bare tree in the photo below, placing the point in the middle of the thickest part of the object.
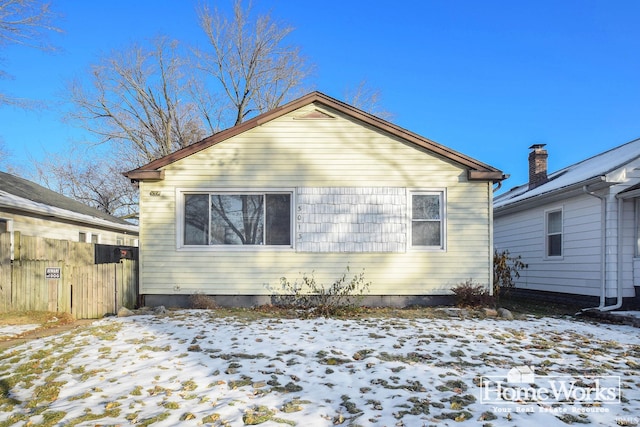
(367, 99)
(250, 61)
(96, 184)
(25, 22)
(140, 102)
(4, 155)
(146, 103)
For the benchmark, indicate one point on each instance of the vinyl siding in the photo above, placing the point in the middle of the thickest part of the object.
(33, 226)
(290, 153)
(578, 271)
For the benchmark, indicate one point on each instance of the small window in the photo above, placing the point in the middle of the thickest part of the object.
(95, 238)
(427, 216)
(82, 237)
(554, 233)
(218, 219)
(4, 226)
(119, 241)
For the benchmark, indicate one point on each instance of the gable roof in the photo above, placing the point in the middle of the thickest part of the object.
(23, 195)
(593, 171)
(476, 170)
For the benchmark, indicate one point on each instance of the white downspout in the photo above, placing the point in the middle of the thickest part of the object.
(619, 259)
(619, 283)
(603, 248)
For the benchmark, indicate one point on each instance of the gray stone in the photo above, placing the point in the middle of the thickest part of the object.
(159, 310)
(490, 312)
(505, 314)
(125, 312)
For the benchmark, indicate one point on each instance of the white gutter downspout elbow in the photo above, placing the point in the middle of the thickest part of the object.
(603, 228)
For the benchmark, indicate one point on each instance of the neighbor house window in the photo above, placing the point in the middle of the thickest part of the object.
(427, 220)
(4, 226)
(554, 233)
(237, 219)
(82, 237)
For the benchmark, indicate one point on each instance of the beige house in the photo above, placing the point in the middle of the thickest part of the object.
(33, 210)
(313, 187)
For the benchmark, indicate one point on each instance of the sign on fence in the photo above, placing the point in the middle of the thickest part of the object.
(52, 273)
(78, 285)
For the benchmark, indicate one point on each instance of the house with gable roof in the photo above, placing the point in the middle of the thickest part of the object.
(34, 210)
(578, 228)
(60, 255)
(311, 188)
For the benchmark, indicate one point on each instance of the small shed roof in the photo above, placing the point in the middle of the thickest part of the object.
(477, 170)
(23, 195)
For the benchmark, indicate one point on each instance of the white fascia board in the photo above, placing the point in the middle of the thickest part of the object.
(596, 183)
(10, 201)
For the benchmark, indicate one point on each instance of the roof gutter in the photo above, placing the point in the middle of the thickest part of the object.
(16, 204)
(552, 196)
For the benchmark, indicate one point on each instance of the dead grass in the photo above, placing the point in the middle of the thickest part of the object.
(45, 319)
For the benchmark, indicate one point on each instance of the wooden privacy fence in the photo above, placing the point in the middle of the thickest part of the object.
(63, 276)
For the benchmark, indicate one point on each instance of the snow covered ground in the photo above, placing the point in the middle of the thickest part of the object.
(192, 368)
(11, 331)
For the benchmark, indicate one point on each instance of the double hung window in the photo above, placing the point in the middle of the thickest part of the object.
(554, 233)
(427, 220)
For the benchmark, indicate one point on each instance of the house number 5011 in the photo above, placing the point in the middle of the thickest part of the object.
(154, 193)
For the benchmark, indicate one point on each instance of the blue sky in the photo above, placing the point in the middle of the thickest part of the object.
(486, 78)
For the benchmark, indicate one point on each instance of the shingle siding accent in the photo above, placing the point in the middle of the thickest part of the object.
(345, 219)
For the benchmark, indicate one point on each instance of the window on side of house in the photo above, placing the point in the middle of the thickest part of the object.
(237, 219)
(427, 220)
(82, 237)
(554, 233)
(4, 226)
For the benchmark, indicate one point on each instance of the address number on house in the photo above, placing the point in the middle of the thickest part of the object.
(52, 273)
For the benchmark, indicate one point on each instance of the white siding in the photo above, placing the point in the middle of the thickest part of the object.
(628, 248)
(579, 269)
(33, 226)
(305, 154)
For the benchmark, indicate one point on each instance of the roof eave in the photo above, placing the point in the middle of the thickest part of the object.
(485, 175)
(35, 208)
(592, 184)
(479, 168)
(145, 175)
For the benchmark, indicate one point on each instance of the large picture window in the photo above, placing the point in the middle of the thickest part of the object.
(237, 219)
(427, 219)
(554, 233)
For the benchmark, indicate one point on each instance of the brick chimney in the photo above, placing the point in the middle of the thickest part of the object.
(537, 166)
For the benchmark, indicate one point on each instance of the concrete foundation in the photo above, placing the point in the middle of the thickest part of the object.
(182, 301)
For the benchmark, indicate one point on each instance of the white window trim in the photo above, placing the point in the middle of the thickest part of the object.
(88, 237)
(443, 224)
(546, 234)
(180, 246)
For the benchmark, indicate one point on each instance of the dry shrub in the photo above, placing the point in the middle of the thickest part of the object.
(202, 302)
(469, 294)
